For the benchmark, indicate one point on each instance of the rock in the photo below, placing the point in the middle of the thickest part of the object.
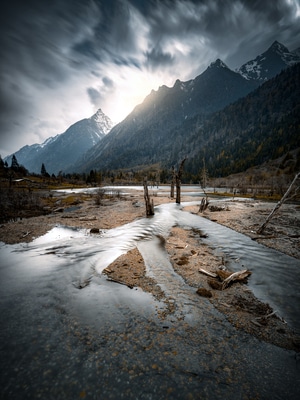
(213, 283)
(204, 292)
(94, 230)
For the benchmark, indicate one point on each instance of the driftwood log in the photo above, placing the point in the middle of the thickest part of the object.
(211, 274)
(225, 277)
(236, 277)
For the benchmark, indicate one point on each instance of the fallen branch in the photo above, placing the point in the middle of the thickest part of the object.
(256, 323)
(225, 304)
(211, 274)
(26, 234)
(223, 274)
(268, 315)
(236, 276)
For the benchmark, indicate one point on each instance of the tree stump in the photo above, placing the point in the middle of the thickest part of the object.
(149, 204)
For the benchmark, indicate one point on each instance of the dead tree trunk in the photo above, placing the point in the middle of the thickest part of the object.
(172, 183)
(178, 181)
(278, 205)
(204, 202)
(149, 204)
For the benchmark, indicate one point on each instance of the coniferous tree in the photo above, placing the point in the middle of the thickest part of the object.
(14, 163)
(43, 170)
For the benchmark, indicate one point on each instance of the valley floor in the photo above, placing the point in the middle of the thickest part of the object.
(187, 256)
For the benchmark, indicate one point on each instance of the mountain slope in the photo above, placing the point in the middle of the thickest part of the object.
(59, 152)
(262, 126)
(135, 140)
(270, 63)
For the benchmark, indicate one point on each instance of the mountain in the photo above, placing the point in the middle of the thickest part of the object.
(261, 126)
(258, 128)
(58, 152)
(270, 63)
(172, 122)
(136, 140)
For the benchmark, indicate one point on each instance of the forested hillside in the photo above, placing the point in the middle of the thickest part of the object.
(139, 139)
(259, 127)
(262, 126)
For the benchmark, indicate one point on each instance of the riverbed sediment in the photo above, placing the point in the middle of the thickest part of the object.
(113, 309)
(186, 252)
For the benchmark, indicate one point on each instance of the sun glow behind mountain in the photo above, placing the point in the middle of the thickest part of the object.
(133, 85)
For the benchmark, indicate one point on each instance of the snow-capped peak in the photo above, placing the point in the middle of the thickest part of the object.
(103, 121)
(269, 63)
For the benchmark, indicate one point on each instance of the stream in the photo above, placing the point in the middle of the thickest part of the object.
(105, 341)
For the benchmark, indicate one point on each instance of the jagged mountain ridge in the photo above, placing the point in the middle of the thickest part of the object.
(130, 142)
(270, 63)
(140, 139)
(259, 127)
(62, 150)
(256, 129)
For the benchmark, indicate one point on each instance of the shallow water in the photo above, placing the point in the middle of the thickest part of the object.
(105, 340)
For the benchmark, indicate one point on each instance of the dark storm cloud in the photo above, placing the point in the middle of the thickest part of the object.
(39, 35)
(157, 58)
(115, 36)
(53, 52)
(108, 82)
(95, 96)
(226, 25)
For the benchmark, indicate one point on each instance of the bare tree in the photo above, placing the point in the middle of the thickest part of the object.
(178, 181)
(173, 183)
(149, 204)
(279, 204)
(204, 175)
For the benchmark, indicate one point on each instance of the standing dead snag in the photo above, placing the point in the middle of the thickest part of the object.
(278, 205)
(204, 202)
(172, 183)
(203, 205)
(178, 181)
(149, 204)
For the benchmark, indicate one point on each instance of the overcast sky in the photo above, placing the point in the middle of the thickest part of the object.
(61, 60)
